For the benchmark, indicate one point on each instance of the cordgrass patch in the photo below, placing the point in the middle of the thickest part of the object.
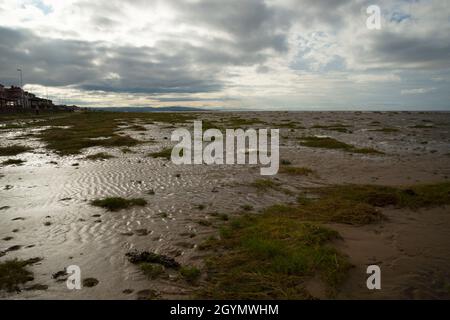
(10, 162)
(13, 150)
(70, 134)
(190, 274)
(264, 184)
(330, 143)
(413, 197)
(296, 171)
(151, 270)
(165, 153)
(271, 256)
(386, 130)
(99, 156)
(334, 127)
(117, 203)
(14, 273)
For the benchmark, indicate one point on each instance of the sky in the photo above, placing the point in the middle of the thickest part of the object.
(228, 55)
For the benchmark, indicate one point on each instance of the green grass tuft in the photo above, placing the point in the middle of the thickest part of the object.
(117, 203)
(10, 162)
(151, 270)
(165, 153)
(13, 150)
(14, 273)
(264, 184)
(99, 156)
(386, 130)
(190, 274)
(270, 257)
(296, 171)
(330, 143)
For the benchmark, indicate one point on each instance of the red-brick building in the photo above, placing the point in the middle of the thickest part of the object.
(16, 99)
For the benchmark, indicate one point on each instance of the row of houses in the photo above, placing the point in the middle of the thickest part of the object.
(15, 99)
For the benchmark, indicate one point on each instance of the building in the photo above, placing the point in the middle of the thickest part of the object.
(2, 97)
(15, 99)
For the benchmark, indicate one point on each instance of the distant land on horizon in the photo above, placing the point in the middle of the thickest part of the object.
(147, 109)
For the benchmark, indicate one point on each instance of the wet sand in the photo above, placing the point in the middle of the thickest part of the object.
(47, 209)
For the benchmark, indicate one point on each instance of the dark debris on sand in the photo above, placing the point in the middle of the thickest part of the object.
(137, 257)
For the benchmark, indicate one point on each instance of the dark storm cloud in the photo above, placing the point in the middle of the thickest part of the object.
(401, 50)
(252, 25)
(45, 61)
(96, 66)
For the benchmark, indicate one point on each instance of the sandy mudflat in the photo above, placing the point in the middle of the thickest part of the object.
(46, 204)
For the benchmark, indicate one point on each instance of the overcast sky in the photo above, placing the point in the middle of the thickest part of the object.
(273, 54)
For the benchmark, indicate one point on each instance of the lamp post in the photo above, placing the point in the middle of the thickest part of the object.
(21, 85)
(20, 76)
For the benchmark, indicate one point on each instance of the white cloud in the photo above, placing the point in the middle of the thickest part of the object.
(417, 91)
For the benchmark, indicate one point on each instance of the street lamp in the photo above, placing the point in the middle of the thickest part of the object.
(20, 76)
(21, 85)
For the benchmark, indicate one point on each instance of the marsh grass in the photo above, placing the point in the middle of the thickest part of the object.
(117, 203)
(99, 156)
(238, 122)
(13, 150)
(270, 257)
(264, 184)
(14, 273)
(151, 270)
(72, 133)
(165, 153)
(413, 197)
(330, 143)
(333, 127)
(190, 274)
(137, 127)
(421, 126)
(296, 171)
(386, 130)
(10, 162)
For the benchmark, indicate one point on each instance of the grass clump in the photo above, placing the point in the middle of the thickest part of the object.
(330, 143)
(421, 126)
(151, 270)
(204, 223)
(334, 127)
(247, 207)
(99, 156)
(10, 162)
(139, 257)
(72, 133)
(117, 203)
(190, 274)
(13, 150)
(237, 122)
(386, 130)
(413, 197)
(165, 153)
(264, 184)
(14, 273)
(137, 128)
(271, 256)
(90, 282)
(296, 171)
